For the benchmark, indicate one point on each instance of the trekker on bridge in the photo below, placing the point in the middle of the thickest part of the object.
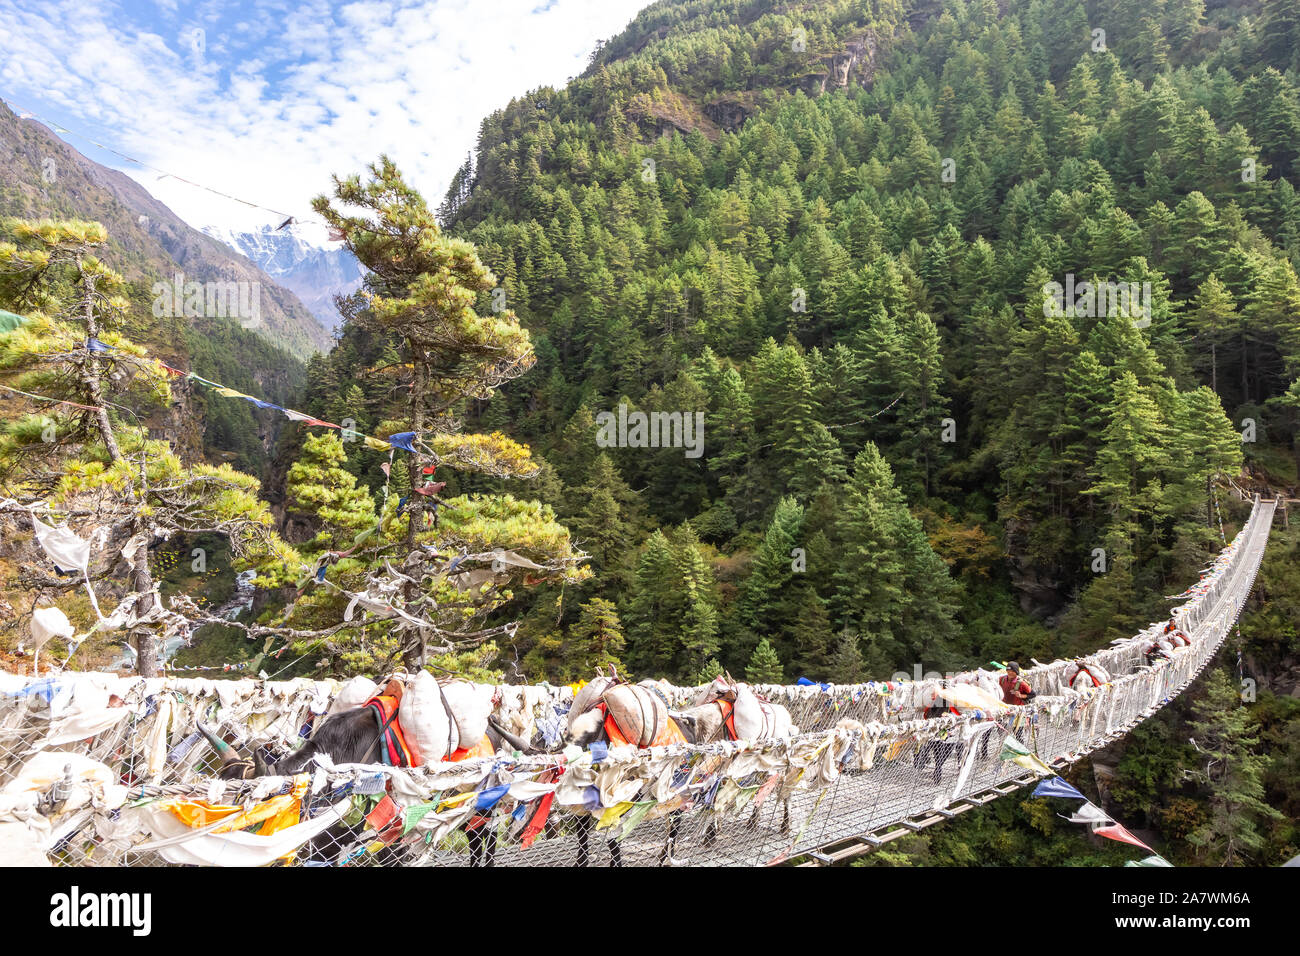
(1015, 690)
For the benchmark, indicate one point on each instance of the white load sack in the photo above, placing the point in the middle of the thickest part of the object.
(353, 694)
(759, 720)
(471, 705)
(424, 720)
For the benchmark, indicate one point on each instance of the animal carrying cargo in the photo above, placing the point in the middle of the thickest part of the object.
(470, 705)
(428, 730)
(588, 696)
(639, 713)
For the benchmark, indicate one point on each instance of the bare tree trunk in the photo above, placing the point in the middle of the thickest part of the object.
(90, 368)
(415, 504)
(146, 644)
(141, 577)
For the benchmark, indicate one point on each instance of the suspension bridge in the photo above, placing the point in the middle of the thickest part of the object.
(99, 769)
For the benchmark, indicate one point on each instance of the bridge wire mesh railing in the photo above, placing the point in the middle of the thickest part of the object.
(98, 769)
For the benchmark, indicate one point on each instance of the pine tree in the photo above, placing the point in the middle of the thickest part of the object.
(326, 496)
(808, 638)
(421, 288)
(760, 605)
(1213, 315)
(921, 413)
(595, 640)
(1132, 451)
(1234, 775)
(132, 488)
(867, 586)
(764, 666)
(846, 665)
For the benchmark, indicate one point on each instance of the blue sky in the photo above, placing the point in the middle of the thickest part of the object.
(264, 99)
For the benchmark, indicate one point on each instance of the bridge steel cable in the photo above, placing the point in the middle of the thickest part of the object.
(98, 768)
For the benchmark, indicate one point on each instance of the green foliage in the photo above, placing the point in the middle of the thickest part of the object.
(322, 493)
(764, 666)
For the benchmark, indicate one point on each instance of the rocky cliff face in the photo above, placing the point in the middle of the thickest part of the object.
(855, 63)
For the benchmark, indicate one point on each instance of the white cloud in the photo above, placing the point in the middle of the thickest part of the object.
(278, 96)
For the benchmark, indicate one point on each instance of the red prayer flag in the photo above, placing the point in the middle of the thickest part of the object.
(538, 820)
(765, 789)
(383, 814)
(1118, 832)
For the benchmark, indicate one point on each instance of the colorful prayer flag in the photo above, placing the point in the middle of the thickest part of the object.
(1017, 753)
(1056, 787)
(1117, 832)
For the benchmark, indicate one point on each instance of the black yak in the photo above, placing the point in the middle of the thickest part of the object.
(352, 736)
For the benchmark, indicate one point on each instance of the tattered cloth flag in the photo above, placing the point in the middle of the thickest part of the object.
(1089, 813)
(64, 547)
(805, 682)
(68, 552)
(1153, 860)
(1117, 832)
(305, 419)
(487, 799)
(403, 440)
(10, 321)
(94, 345)
(376, 444)
(1056, 787)
(1017, 753)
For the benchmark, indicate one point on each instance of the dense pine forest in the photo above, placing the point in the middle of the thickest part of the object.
(849, 239)
(829, 227)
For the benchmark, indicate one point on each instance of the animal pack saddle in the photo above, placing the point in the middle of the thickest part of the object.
(638, 716)
(393, 748)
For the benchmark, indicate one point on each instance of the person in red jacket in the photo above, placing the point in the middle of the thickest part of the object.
(1015, 690)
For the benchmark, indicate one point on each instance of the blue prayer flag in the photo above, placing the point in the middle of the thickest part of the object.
(805, 682)
(487, 799)
(1056, 787)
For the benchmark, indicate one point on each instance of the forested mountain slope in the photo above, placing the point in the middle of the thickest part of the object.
(829, 227)
(43, 177)
(842, 232)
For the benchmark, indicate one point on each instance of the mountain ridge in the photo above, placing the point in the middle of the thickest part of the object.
(314, 274)
(44, 177)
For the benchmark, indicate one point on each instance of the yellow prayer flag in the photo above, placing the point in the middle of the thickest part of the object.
(610, 816)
